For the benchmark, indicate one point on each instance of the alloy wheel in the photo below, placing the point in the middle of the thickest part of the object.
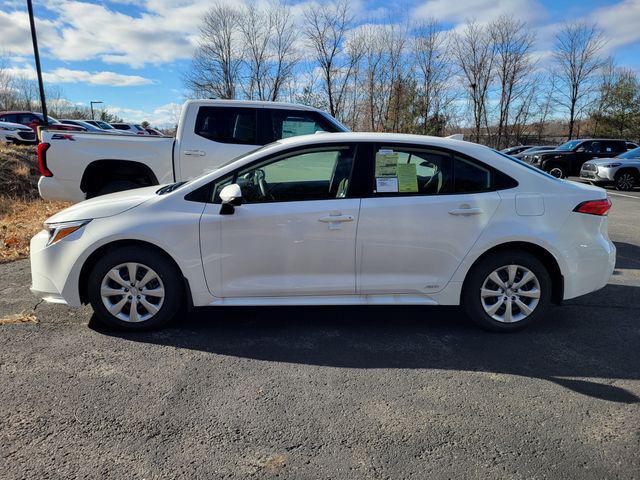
(625, 181)
(556, 172)
(132, 292)
(510, 293)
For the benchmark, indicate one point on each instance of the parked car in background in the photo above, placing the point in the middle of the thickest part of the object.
(17, 133)
(210, 133)
(130, 128)
(567, 159)
(340, 219)
(515, 150)
(532, 150)
(622, 171)
(100, 124)
(87, 126)
(153, 131)
(33, 120)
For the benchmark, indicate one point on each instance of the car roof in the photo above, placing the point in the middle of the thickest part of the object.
(253, 103)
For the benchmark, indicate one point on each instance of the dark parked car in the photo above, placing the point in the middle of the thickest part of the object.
(34, 120)
(530, 151)
(567, 159)
(515, 150)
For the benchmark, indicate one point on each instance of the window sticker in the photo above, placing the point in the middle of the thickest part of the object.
(386, 184)
(407, 178)
(386, 163)
(293, 128)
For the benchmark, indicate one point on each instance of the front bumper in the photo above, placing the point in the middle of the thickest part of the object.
(599, 174)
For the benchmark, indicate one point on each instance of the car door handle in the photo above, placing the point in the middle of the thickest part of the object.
(466, 211)
(195, 153)
(336, 218)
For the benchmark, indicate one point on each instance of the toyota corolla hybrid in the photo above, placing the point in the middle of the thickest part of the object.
(334, 219)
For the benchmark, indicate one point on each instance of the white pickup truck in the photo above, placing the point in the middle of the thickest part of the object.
(75, 166)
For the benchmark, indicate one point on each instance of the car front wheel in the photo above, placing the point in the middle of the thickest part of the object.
(625, 181)
(135, 288)
(507, 291)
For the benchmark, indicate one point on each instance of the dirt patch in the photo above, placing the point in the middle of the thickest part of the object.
(22, 211)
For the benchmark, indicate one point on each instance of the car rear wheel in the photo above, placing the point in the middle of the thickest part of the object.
(134, 288)
(625, 181)
(507, 291)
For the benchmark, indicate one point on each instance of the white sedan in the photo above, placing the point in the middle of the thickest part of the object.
(334, 219)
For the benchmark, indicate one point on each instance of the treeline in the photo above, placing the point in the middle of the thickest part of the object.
(486, 80)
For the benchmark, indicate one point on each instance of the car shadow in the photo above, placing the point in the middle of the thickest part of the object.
(592, 337)
(627, 255)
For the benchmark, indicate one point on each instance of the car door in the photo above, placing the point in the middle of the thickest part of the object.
(426, 209)
(295, 232)
(213, 136)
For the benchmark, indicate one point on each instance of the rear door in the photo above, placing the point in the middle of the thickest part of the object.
(426, 209)
(214, 135)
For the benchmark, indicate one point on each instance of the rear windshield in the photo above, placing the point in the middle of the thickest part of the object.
(526, 165)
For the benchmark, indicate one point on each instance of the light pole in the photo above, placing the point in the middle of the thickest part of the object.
(92, 104)
(34, 39)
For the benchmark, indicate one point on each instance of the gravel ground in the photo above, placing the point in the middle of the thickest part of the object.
(332, 392)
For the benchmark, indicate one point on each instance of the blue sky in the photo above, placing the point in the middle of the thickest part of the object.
(131, 53)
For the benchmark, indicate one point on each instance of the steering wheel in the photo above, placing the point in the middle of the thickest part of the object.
(262, 184)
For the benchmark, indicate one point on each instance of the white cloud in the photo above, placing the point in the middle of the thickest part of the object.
(458, 11)
(620, 22)
(66, 75)
(163, 116)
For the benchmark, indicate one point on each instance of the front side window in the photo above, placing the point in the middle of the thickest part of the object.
(310, 175)
(227, 125)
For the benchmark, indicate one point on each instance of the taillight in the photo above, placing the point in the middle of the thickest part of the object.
(141, 133)
(594, 207)
(42, 159)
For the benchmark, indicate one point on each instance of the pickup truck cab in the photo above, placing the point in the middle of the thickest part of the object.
(76, 166)
(567, 159)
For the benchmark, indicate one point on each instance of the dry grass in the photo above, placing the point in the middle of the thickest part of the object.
(22, 211)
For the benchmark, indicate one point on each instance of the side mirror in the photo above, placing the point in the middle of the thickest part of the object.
(231, 197)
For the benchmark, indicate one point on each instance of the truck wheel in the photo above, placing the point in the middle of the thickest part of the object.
(625, 180)
(557, 172)
(135, 288)
(115, 186)
(506, 291)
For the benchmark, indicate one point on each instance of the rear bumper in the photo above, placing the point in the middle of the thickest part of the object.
(52, 188)
(590, 267)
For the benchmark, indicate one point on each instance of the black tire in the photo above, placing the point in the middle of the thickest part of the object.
(626, 180)
(115, 186)
(471, 299)
(165, 269)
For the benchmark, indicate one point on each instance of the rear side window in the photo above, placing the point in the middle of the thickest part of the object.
(278, 124)
(120, 126)
(13, 118)
(227, 125)
(401, 170)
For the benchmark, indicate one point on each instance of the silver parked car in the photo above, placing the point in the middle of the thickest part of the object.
(622, 171)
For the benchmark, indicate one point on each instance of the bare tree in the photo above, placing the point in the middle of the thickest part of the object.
(577, 55)
(282, 45)
(513, 44)
(474, 53)
(433, 70)
(325, 29)
(216, 61)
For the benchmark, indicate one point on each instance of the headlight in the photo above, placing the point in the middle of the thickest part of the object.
(611, 165)
(11, 129)
(536, 158)
(57, 231)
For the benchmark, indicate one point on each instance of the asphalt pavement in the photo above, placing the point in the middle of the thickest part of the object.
(331, 392)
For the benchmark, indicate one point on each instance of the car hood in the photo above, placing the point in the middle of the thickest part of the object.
(105, 205)
(550, 152)
(605, 161)
(17, 126)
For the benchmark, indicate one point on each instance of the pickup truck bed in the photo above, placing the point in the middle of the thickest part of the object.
(76, 161)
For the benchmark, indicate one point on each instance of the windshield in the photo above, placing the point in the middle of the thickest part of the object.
(569, 145)
(104, 125)
(51, 120)
(635, 153)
